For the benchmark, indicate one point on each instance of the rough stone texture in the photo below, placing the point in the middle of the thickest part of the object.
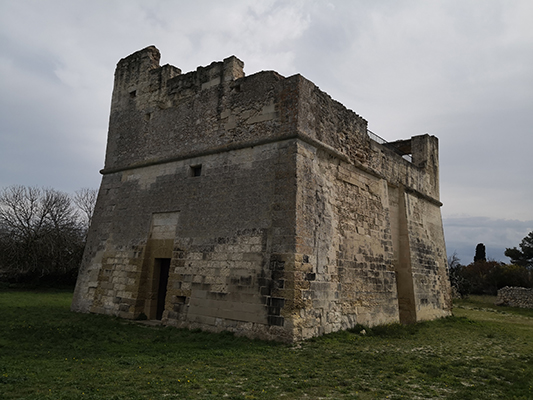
(515, 297)
(265, 202)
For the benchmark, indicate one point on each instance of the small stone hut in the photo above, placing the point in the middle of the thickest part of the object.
(258, 205)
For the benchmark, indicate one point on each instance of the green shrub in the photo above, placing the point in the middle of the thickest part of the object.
(486, 277)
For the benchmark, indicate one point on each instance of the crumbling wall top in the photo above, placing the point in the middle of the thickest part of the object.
(159, 114)
(137, 64)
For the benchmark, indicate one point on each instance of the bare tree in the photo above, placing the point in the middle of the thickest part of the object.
(40, 233)
(21, 211)
(453, 261)
(85, 199)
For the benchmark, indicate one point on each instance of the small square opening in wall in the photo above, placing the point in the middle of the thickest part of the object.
(196, 170)
(133, 94)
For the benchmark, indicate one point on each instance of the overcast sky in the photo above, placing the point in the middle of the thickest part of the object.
(461, 70)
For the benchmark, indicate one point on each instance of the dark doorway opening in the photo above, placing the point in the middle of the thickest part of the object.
(163, 265)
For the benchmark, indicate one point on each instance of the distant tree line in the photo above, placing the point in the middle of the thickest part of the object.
(43, 233)
(487, 276)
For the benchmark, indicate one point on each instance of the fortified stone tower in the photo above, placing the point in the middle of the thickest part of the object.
(258, 205)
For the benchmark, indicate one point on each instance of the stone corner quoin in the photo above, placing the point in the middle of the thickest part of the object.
(258, 205)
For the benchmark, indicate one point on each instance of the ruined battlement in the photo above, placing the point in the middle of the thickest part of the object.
(258, 204)
(153, 106)
(140, 76)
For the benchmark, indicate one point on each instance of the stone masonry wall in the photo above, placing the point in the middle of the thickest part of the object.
(208, 110)
(232, 220)
(258, 205)
(343, 239)
(515, 297)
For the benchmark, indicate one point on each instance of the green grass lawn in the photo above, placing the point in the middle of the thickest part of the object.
(47, 352)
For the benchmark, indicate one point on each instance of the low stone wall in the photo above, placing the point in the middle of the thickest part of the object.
(515, 297)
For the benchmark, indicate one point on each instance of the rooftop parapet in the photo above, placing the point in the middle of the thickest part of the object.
(159, 115)
(139, 76)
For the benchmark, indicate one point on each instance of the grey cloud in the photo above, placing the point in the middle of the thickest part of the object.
(460, 70)
(464, 233)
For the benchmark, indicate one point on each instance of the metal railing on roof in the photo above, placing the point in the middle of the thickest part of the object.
(380, 140)
(375, 137)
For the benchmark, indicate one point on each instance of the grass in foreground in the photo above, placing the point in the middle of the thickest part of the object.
(47, 352)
